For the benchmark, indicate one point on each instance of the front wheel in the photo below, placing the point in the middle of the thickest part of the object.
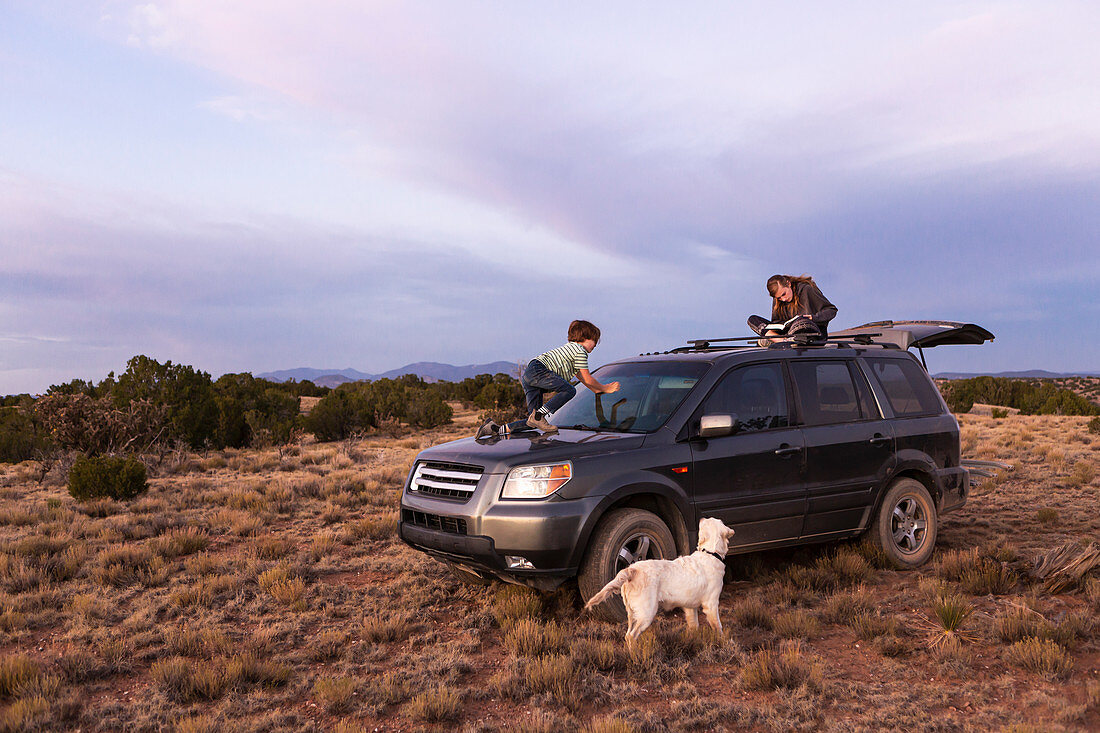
(622, 538)
(906, 524)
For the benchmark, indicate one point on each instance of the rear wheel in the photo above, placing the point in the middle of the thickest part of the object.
(906, 524)
(622, 538)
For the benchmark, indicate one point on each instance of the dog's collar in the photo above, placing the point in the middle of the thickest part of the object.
(715, 554)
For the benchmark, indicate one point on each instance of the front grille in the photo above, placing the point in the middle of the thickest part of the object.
(446, 480)
(451, 525)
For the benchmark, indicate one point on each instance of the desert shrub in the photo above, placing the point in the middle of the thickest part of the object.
(333, 693)
(340, 414)
(185, 395)
(96, 425)
(22, 437)
(1040, 656)
(753, 613)
(845, 605)
(553, 674)
(387, 627)
(285, 588)
(18, 674)
(434, 706)
(1017, 624)
(1094, 426)
(1031, 397)
(786, 669)
(254, 412)
(107, 476)
(428, 410)
(528, 637)
(1082, 474)
(1047, 516)
(951, 611)
(512, 603)
(795, 624)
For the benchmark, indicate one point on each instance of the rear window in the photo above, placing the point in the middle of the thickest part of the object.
(908, 388)
(826, 393)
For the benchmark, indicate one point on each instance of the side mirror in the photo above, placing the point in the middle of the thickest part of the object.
(715, 426)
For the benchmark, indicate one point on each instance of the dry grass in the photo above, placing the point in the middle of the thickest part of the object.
(268, 592)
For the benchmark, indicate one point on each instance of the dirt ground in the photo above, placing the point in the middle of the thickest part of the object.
(253, 590)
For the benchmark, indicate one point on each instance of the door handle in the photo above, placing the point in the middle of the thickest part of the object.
(879, 440)
(786, 450)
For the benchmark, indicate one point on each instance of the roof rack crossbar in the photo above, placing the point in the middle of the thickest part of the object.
(727, 342)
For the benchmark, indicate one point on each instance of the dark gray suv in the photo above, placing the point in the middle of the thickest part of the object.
(788, 444)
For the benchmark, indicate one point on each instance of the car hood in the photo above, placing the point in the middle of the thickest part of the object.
(499, 454)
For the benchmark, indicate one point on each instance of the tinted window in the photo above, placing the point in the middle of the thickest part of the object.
(756, 394)
(907, 387)
(825, 392)
(648, 394)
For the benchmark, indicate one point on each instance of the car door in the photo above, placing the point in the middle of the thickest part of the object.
(751, 479)
(848, 444)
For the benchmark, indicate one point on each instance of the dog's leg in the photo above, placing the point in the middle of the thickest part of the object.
(691, 615)
(710, 613)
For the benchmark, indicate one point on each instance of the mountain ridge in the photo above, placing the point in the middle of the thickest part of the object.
(432, 371)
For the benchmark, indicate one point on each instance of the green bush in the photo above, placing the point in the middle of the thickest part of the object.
(1094, 426)
(107, 476)
(343, 412)
(21, 436)
(427, 410)
(1031, 397)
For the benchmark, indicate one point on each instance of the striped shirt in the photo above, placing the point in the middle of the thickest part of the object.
(566, 361)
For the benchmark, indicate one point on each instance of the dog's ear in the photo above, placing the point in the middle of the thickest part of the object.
(729, 532)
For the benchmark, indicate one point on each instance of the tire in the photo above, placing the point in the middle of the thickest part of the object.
(623, 537)
(465, 576)
(906, 524)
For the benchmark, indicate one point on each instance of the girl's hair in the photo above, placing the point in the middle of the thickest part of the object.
(794, 305)
(582, 331)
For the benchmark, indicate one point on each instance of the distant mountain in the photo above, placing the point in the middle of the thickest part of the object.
(1029, 374)
(430, 371)
(303, 373)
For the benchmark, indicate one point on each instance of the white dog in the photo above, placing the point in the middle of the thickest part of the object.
(687, 582)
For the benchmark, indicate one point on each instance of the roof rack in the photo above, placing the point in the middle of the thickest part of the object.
(797, 341)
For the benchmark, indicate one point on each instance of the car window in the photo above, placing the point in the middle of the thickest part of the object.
(756, 394)
(825, 391)
(907, 387)
(649, 392)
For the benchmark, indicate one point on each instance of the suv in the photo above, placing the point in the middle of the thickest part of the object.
(789, 444)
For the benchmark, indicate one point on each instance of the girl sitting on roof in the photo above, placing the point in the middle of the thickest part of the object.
(794, 296)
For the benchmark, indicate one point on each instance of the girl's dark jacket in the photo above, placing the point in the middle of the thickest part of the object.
(812, 303)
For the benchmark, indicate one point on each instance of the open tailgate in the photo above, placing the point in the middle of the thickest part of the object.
(922, 334)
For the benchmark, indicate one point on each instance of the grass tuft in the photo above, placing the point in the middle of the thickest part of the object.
(530, 638)
(788, 669)
(1041, 656)
(435, 706)
(333, 693)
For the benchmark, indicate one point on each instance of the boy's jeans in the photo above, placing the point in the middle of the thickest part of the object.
(536, 380)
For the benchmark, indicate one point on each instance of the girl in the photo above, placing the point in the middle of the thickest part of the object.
(796, 296)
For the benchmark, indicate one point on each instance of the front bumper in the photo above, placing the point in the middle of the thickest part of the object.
(545, 533)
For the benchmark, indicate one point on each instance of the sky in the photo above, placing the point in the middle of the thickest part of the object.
(247, 185)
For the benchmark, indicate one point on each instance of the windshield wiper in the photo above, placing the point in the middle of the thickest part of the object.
(597, 428)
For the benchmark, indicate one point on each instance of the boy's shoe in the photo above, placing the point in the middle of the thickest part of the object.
(540, 423)
(487, 428)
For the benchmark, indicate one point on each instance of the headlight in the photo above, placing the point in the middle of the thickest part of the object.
(536, 482)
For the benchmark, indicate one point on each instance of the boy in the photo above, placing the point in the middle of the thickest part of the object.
(551, 372)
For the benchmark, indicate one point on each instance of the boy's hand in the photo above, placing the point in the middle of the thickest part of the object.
(611, 387)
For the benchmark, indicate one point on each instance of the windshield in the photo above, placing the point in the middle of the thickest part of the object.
(648, 394)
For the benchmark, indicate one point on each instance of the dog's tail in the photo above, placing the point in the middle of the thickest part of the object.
(624, 576)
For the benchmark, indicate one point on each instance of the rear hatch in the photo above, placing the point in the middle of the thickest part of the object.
(922, 334)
